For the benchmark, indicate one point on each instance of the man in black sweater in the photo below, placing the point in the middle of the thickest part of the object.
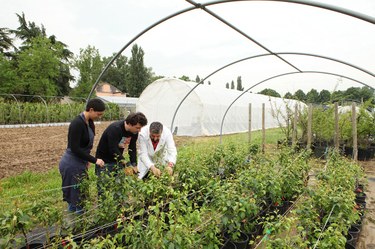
(114, 140)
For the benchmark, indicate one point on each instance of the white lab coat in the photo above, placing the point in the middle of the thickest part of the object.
(164, 153)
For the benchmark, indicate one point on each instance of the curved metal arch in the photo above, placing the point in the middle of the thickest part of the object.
(131, 41)
(277, 76)
(202, 6)
(18, 105)
(330, 7)
(261, 55)
(45, 103)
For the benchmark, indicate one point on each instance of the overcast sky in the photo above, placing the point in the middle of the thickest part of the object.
(196, 43)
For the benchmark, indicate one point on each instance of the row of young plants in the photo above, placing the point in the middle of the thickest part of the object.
(323, 128)
(215, 195)
(325, 212)
(36, 112)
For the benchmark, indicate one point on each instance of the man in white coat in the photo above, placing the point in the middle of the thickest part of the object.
(156, 147)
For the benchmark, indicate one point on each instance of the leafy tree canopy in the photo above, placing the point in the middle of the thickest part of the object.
(300, 95)
(288, 95)
(239, 84)
(185, 78)
(270, 92)
(312, 96)
(139, 75)
(38, 66)
(324, 96)
(116, 74)
(89, 64)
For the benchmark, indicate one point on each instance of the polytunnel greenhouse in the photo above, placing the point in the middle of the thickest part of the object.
(202, 112)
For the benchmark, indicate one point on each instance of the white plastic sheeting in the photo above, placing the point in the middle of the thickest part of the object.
(202, 111)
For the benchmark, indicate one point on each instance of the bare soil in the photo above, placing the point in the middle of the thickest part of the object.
(39, 149)
(36, 149)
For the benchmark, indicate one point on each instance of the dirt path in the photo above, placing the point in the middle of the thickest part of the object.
(367, 235)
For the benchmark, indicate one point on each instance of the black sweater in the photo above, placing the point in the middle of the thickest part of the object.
(78, 139)
(108, 147)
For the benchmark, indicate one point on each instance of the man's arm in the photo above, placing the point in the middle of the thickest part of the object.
(171, 149)
(113, 138)
(143, 152)
(132, 150)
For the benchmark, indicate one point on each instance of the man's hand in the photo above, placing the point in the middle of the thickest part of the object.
(135, 169)
(100, 162)
(169, 170)
(129, 171)
(155, 171)
(126, 142)
(170, 164)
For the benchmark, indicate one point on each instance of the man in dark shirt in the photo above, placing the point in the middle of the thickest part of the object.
(114, 140)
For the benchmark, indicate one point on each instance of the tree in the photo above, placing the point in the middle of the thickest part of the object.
(367, 93)
(38, 65)
(89, 64)
(117, 72)
(353, 94)
(184, 78)
(6, 42)
(197, 79)
(154, 77)
(239, 84)
(300, 95)
(227, 85)
(139, 76)
(270, 92)
(337, 96)
(288, 95)
(324, 96)
(28, 31)
(64, 77)
(232, 85)
(8, 75)
(312, 96)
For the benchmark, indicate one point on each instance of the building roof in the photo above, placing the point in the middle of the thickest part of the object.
(120, 100)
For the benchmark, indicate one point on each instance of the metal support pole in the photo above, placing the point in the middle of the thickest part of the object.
(354, 132)
(263, 126)
(337, 126)
(249, 123)
(309, 127)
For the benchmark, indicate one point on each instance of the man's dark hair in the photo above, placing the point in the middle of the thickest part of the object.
(156, 128)
(136, 118)
(96, 104)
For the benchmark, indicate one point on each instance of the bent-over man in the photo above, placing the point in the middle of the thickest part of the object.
(156, 147)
